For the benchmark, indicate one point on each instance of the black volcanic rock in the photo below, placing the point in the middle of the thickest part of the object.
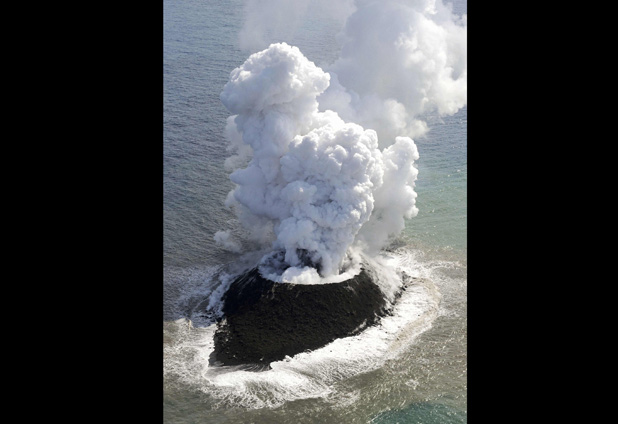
(264, 321)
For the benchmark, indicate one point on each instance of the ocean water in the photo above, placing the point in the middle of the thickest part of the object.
(411, 369)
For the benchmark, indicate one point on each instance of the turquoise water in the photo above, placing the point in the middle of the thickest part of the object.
(427, 382)
(442, 186)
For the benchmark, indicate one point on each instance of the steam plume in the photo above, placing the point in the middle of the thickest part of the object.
(399, 60)
(323, 161)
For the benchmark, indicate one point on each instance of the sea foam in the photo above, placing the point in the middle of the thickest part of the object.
(313, 373)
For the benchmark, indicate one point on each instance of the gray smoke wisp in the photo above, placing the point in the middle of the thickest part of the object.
(323, 159)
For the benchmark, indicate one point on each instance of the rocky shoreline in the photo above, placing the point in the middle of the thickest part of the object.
(265, 321)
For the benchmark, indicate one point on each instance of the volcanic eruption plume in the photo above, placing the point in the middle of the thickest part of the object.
(323, 162)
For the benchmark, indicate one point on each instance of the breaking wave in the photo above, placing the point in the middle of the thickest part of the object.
(311, 374)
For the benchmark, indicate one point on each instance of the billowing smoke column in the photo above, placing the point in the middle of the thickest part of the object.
(311, 177)
(322, 160)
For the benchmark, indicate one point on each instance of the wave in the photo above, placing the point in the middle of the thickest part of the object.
(310, 374)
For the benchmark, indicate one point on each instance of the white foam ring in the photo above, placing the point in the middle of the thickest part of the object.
(313, 373)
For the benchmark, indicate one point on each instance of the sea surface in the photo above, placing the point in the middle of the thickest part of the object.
(411, 369)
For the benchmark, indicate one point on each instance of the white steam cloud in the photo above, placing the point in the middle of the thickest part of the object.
(323, 160)
(399, 59)
(225, 240)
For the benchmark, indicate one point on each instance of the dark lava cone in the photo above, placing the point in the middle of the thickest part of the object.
(265, 321)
